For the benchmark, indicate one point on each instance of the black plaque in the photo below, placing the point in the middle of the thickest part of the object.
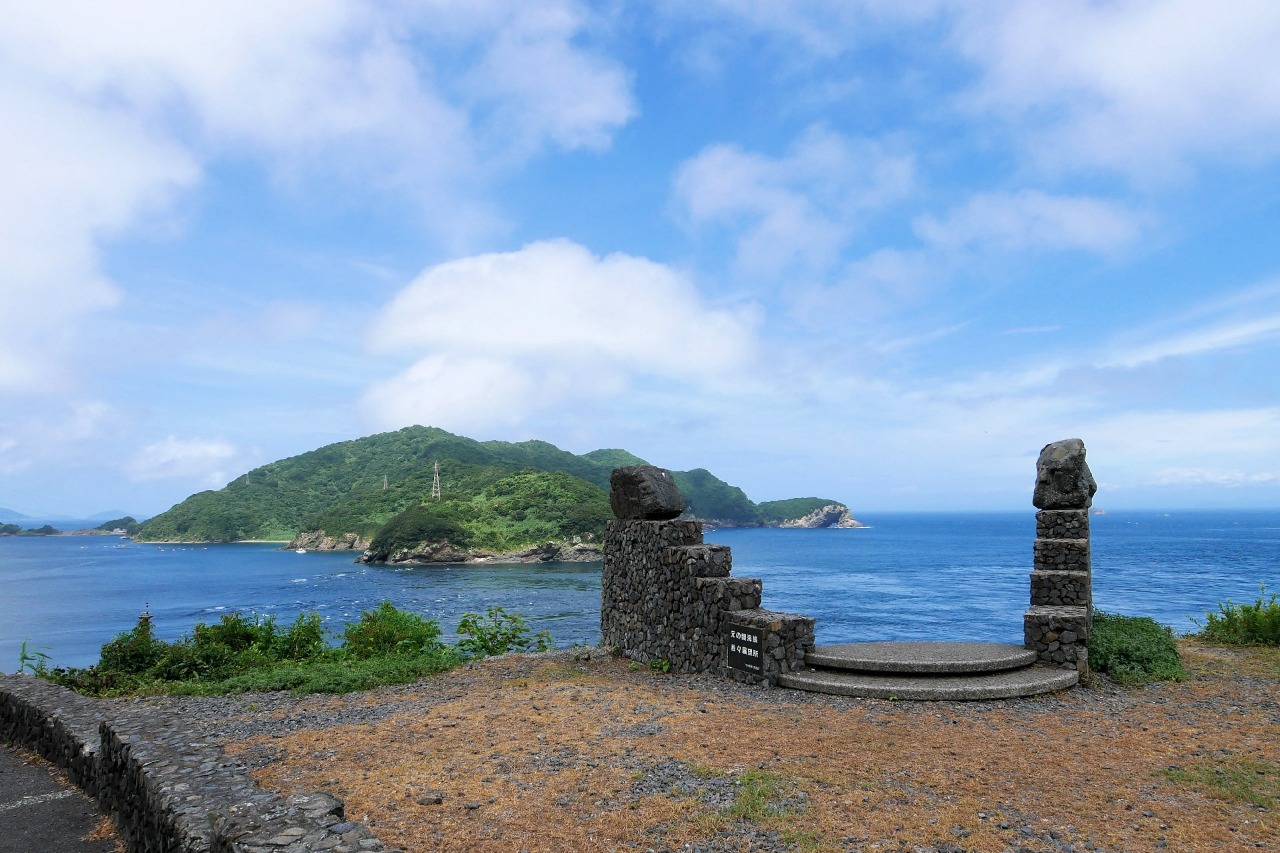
(744, 647)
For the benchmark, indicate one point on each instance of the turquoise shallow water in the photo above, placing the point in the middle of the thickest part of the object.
(907, 577)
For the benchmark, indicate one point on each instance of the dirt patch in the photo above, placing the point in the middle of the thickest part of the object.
(547, 753)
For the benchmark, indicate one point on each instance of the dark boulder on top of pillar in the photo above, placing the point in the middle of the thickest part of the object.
(1063, 479)
(644, 493)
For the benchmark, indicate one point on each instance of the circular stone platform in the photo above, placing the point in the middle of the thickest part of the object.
(921, 657)
(958, 688)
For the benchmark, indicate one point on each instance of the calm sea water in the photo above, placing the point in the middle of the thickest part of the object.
(907, 577)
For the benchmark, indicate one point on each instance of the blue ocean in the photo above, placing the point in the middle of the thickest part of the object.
(959, 576)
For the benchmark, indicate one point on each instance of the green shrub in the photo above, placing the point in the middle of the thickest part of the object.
(1256, 624)
(1134, 650)
(335, 674)
(385, 646)
(498, 632)
(133, 652)
(389, 631)
(304, 640)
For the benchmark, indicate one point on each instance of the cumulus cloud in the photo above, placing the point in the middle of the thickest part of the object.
(112, 111)
(204, 461)
(504, 336)
(800, 208)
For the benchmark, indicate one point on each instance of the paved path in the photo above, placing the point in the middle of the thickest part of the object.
(40, 813)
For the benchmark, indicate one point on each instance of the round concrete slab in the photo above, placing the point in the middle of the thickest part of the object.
(921, 657)
(961, 688)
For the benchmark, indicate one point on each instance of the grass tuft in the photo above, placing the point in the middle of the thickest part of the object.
(1237, 780)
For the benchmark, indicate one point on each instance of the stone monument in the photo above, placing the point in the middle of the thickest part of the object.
(1058, 625)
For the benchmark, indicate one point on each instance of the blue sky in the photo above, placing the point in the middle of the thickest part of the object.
(872, 251)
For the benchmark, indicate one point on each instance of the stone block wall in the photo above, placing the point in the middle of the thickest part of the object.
(166, 791)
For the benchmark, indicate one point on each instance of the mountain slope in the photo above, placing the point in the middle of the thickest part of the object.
(355, 488)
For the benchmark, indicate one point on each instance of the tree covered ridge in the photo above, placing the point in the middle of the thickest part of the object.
(532, 491)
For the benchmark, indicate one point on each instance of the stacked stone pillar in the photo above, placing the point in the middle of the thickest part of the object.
(1058, 625)
(667, 596)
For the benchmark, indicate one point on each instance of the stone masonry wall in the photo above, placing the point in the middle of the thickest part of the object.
(165, 791)
(664, 593)
(667, 596)
(787, 639)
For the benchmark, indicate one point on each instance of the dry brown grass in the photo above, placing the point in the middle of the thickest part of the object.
(543, 756)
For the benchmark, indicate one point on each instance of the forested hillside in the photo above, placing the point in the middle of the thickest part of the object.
(359, 486)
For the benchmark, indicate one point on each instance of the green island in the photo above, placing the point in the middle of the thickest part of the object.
(497, 500)
(18, 530)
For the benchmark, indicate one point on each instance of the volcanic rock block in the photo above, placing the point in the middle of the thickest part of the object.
(1063, 479)
(644, 493)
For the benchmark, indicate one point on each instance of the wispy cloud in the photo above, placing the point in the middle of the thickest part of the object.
(1032, 220)
(1139, 86)
(798, 209)
(1225, 336)
(202, 461)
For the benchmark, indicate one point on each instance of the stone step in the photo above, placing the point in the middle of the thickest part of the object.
(1031, 681)
(921, 658)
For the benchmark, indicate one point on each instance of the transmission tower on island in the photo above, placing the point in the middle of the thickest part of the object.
(435, 483)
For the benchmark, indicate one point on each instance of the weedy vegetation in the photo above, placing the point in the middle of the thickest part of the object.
(248, 654)
(1256, 624)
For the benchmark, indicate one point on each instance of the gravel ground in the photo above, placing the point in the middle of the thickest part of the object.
(558, 752)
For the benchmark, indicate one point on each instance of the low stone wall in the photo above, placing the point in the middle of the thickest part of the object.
(167, 791)
(786, 639)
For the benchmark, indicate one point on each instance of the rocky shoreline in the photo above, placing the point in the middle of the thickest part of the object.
(428, 553)
(831, 516)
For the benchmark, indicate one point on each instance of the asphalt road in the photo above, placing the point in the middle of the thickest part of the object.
(40, 813)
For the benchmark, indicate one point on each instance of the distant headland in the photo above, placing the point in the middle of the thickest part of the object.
(422, 494)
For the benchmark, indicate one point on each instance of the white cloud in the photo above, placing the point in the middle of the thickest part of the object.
(801, 208)
(61, 198)
(1032, 220)
(112, 110)
(204, 461)
(1138, 85)
(508, 335)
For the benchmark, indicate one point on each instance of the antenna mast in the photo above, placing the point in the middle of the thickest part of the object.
(435, 483)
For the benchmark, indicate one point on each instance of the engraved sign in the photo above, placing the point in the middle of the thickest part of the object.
(745, 648)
